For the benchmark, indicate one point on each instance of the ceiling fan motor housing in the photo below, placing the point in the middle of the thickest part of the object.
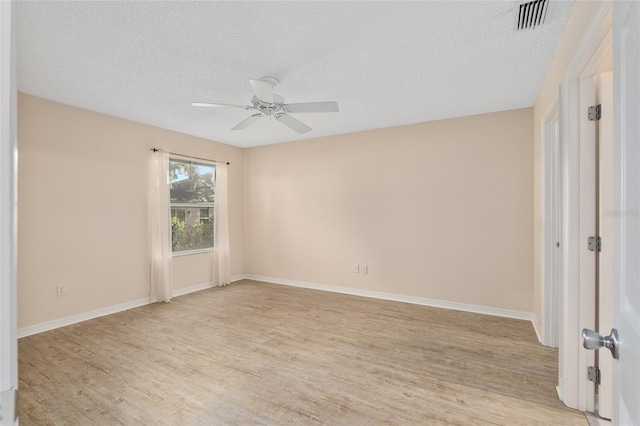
(268, 104)
(269, 109)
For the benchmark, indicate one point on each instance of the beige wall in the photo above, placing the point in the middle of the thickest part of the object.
(581, 17)
(438, 210)
(83, 187)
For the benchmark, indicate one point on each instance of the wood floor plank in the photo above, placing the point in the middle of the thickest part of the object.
(264, 354)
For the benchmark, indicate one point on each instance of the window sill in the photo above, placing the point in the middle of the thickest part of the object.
(188, 252)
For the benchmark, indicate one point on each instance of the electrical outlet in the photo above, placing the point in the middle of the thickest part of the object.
(62, 290)
(364, 269)
(356, 268)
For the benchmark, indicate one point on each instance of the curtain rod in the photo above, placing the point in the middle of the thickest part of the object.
(190, 156)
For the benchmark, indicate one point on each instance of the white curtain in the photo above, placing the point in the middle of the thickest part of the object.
(160, 229)
(221, 273)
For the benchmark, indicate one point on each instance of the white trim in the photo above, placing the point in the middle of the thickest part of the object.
(587, 277)
(537, 328)
(478, 309)
(591, 42)
(202, 205)
(551, 258)
(186, 290)
(8, 214)
(72, 319)
(189, 252)
(235, 278)
(192, 160)
(578, 302)
(569, 349)
(96, 313)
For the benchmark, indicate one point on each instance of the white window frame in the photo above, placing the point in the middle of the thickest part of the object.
(193, 205)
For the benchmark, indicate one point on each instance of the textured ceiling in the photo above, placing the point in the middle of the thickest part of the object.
(385, 63)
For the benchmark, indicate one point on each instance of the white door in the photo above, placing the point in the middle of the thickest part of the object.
(626, 184)
(588, 228)
(8, 303)
(606, 216)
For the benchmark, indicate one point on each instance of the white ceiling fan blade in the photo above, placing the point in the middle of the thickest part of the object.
(210, 105)
(263, 90)
(247, 122)
(293, 123)
(329, 106)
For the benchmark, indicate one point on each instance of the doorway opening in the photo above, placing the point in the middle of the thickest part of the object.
(576, 216)
(552, 227)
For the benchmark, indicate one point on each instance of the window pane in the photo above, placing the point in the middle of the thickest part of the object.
(191, 182)
(191, 228)
(205, 215)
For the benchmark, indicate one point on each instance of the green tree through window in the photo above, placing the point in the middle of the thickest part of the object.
(192, 194)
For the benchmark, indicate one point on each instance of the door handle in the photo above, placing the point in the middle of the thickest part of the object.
(592, 341)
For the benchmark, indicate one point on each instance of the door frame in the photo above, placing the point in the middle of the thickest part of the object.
(578, 293)
(604, 294)
(552, 200)
(8, 216)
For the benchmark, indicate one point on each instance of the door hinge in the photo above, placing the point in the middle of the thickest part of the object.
(594, 244)
(9, 406)
(594, 112)
(593, 374)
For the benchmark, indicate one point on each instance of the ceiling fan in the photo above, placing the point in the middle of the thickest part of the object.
(268, 104)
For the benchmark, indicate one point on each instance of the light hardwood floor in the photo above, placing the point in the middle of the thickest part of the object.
(256, 353)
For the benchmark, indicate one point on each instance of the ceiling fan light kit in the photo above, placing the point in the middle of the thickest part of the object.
(269, 104)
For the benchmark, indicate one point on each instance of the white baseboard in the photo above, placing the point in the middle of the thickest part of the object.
(478, 309)
(191, 289)
(72, 319)
(536, 328)
(237, 278)
(85, 316)
(559, 392)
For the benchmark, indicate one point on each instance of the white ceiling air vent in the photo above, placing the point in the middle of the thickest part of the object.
(531, 14)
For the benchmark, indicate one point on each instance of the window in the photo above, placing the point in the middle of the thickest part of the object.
(205, 215)
(192, 197)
